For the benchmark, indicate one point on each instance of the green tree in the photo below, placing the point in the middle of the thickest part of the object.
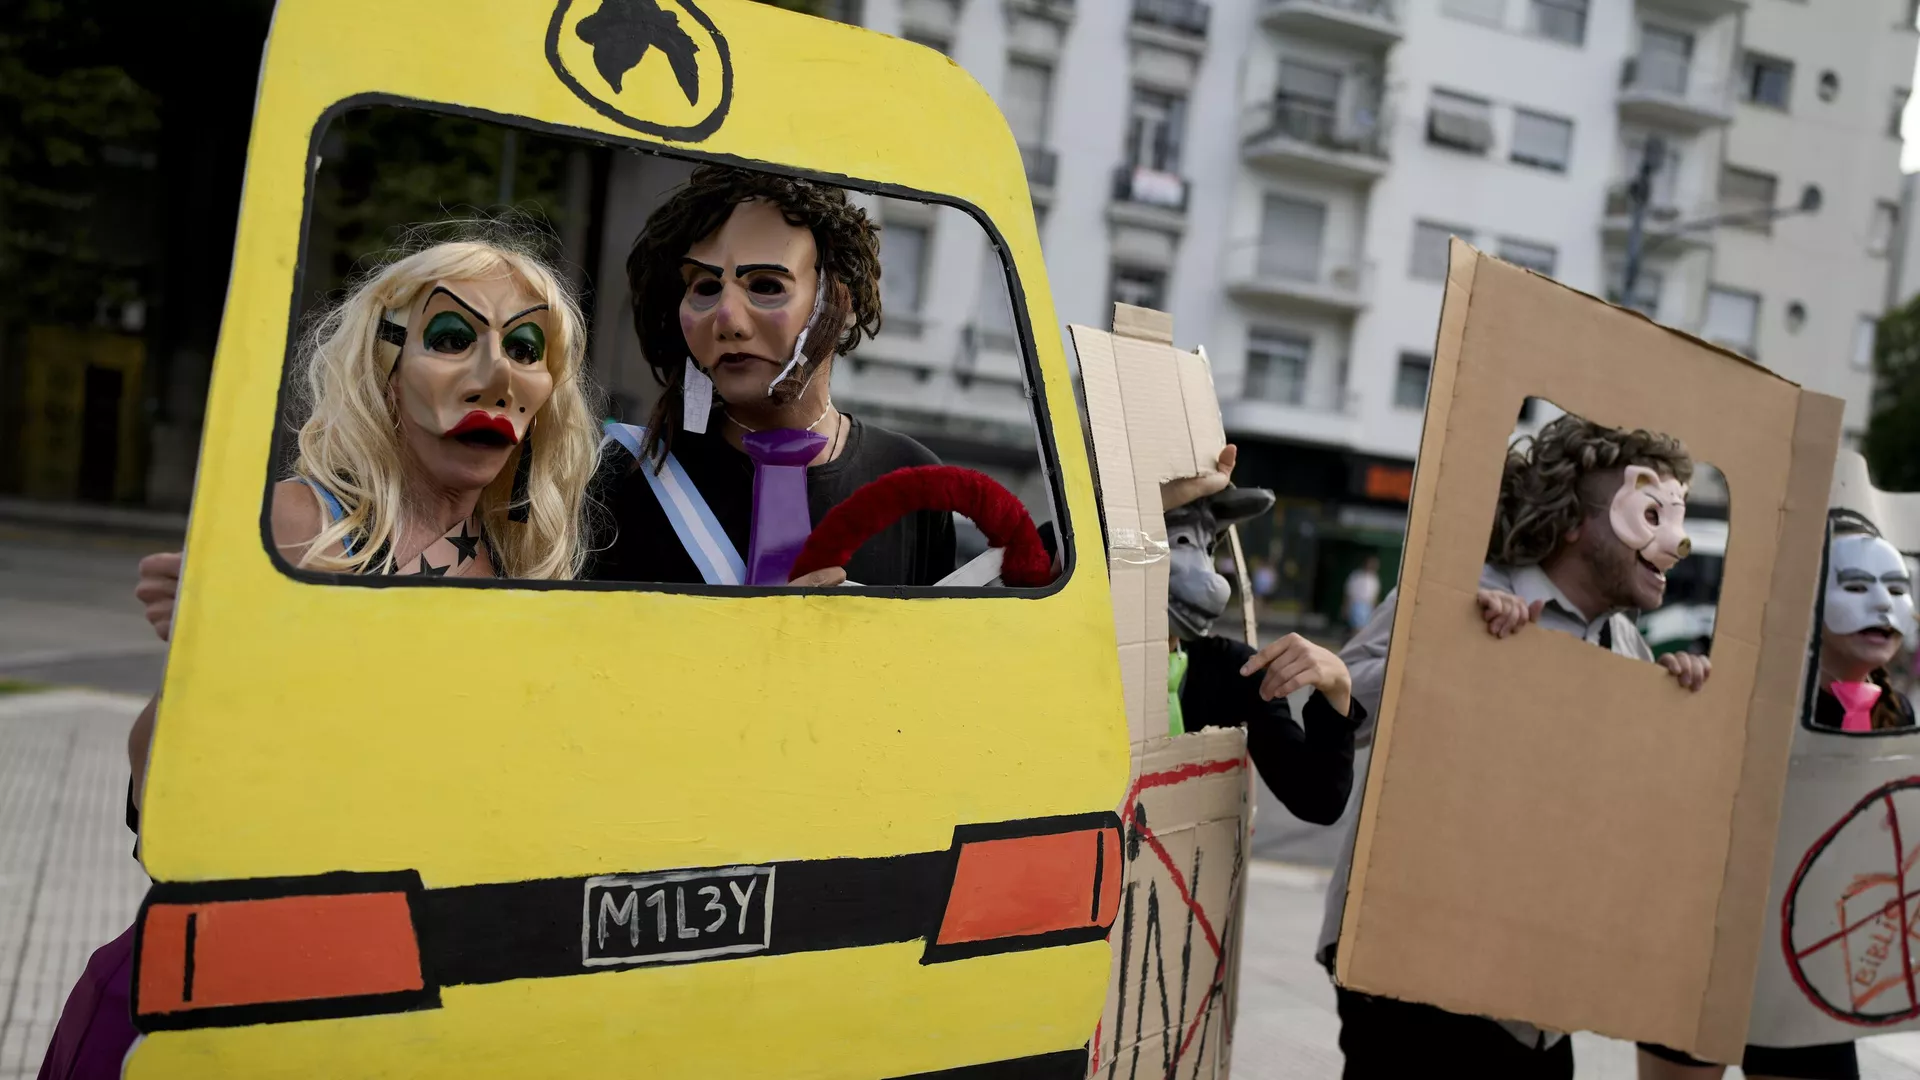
(76, 137)
(1892, 445)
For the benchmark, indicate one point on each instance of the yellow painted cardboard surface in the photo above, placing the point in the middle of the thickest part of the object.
(504, 734)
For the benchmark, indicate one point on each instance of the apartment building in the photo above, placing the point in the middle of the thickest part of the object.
(1283, 177)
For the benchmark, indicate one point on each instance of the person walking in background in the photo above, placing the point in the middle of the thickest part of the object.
(1363, 593)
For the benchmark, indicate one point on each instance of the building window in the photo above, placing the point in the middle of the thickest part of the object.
(1306, 105)
(1153, 130)
(1028, 100)
(1747, 198)
(1461, 122)
(1277, 365)
(1900, 96)
(1410, 381)
(1561, 20)
(1647, 286)
(1662, 198)
(1663, 61)
(930, 40)
(1538, 258)
(846, 11)
(1733, 318)
(1766, 80)
(1541, 140)
(903, 268)
(1291, 232)
(995, 305)
(1139, 287)
(1491, 12)
(1864, 332)
(1430, 246)
(1886, 220)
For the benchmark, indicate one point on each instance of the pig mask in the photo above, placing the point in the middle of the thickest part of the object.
(1650, 516)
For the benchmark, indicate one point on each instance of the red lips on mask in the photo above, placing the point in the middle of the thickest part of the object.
(478, 421)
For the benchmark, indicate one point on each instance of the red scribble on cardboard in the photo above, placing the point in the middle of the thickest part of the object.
(1167, 778)
(1875, 929)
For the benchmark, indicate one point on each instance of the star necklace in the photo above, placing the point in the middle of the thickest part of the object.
(466, 548)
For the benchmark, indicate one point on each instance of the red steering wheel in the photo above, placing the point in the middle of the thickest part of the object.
(1024, 564)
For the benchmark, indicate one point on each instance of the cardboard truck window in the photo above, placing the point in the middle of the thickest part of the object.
(1550, 833)
(1837, 960)
(529, 829)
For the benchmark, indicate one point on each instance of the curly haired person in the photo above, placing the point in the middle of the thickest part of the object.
(1589, 520)
(745, 286)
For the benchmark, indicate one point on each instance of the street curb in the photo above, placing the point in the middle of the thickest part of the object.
(86, 515)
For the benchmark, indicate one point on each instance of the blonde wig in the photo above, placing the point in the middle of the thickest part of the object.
(350, 441)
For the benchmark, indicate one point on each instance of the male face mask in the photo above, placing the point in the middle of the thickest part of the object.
(753, 288)
(1650, 516)
(1868, 588)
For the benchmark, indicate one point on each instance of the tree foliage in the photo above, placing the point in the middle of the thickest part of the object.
(1892, 445)
(77, 149)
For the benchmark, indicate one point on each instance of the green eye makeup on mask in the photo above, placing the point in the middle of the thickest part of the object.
(449, 332)
(526, 343)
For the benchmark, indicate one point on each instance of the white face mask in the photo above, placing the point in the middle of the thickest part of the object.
(1867, 586)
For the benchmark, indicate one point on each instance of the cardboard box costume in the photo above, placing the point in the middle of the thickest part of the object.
(1551, 833)
(1839, 956)
(513, 854)
(1188, 812)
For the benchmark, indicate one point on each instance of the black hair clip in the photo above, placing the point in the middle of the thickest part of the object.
(393, 334)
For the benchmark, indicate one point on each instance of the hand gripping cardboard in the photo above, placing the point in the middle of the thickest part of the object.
(1188, 812)
(1838, 957)
(1552, 833)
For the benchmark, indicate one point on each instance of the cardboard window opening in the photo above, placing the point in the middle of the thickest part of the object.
(1546, 835)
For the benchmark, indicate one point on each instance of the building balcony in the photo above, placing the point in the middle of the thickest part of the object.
(1315, 141)
(1188, 18)
(1041, 164)
(1371, 24)
(1665, 93)
(1149, 198)
(1324, 415)
(1278, 274)
(1662, 221)
(1057, 10)
(1704, 10)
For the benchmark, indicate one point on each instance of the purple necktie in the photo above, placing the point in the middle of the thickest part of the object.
(781, 520)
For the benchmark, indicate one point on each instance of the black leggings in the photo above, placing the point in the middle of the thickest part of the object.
(1385, 1039)
(1831, 1061)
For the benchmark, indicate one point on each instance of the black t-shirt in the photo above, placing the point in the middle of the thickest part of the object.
(1309, 767)
(640, 544)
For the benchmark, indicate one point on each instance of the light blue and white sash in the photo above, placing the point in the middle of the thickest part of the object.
(693, 522)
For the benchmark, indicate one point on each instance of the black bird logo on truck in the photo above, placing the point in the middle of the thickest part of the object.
(622, 31)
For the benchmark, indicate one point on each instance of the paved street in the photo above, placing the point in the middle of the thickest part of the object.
(68, 882)
(67, 613)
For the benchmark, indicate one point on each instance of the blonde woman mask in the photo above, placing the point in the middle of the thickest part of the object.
(449, 431)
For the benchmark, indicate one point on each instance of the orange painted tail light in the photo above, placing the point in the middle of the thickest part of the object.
(273, 951)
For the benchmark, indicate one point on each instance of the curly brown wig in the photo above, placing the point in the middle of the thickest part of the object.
(846, 243)
(1555, 480)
